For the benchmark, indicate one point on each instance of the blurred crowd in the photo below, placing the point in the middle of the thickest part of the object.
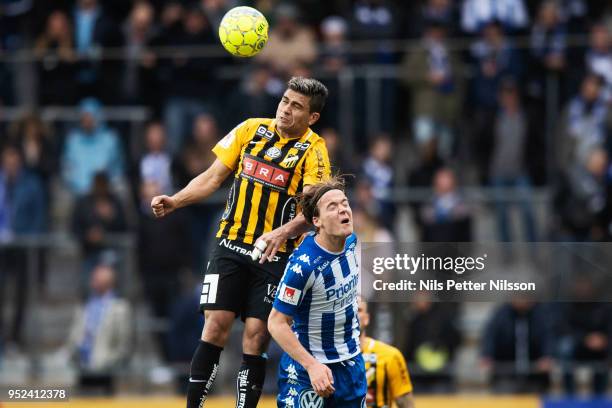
(505, 94)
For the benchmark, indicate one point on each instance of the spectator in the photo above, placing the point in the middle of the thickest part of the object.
(57, 55)
(337, 157)
(508, 162)
(138, 32)
(93, 31)
(185, 76)
(89, 149)
(548, 45)
(583, 123)
(333, 58)
(155, 165)
(585, 338)
(599, 58)
(96, 215)
(23, 211)
(196, 157)
(437, 12)
(290, 43)
(255, 97)
(377, 170)
(518, 346)
(100, 335)
(433, 75)
(446, 218)
(493, 59)
(476, 14)
(34, 139)
(431, 341)
(162, 261)
(422, 175)
(583, 200)
(334, 48)
(375, 20)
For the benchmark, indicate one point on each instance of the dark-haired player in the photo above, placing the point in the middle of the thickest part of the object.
(273, 160)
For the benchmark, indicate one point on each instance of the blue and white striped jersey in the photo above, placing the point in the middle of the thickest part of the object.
(319, 290)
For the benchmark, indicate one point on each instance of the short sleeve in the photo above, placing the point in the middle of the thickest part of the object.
(397, 375)
(228, 149)
(293, 285)
(316, 164)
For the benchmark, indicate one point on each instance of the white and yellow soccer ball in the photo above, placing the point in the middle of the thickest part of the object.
(243, 31)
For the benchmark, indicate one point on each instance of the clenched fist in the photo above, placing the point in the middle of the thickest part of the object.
(163, 205)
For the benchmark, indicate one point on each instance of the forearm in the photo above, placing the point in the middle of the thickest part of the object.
(198, 189)
(296, 226)
(286, 339)
(405, 401)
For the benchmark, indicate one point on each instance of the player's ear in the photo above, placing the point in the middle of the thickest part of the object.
(316, 222)
(314, 116)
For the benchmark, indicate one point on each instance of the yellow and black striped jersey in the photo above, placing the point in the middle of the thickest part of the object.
(386, 372)
(270, 171)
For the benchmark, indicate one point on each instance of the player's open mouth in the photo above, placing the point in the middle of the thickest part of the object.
(345, 220)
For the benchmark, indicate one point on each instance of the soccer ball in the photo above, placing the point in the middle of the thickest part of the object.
(243, 31)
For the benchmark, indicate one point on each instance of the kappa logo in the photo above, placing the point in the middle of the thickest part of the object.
(264, 132)
(304, 258)
(310, 399)
(297, 269)
(273, 152)
(291, 372)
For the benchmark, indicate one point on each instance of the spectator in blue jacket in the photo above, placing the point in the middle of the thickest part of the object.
(22, 214)
(91, 148)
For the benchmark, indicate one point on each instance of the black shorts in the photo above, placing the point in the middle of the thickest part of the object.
(234, 282)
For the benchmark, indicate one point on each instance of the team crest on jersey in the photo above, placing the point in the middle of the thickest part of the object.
(290, 295)
(290, 161)
(310, 399)
(273, 152)
(264, 132)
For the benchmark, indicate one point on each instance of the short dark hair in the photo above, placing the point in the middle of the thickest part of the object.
(311, 88)
(309, 199)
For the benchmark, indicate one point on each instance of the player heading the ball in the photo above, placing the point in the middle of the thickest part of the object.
(273, 160)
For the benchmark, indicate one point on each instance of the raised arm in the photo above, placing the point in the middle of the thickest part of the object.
(198, 189)
(321, 377)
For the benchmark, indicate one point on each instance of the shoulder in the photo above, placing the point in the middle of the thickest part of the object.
(351, 242)
(303, 255)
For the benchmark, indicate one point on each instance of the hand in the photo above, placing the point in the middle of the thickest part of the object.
(163, 205)
(322, 379)
(274, 240)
